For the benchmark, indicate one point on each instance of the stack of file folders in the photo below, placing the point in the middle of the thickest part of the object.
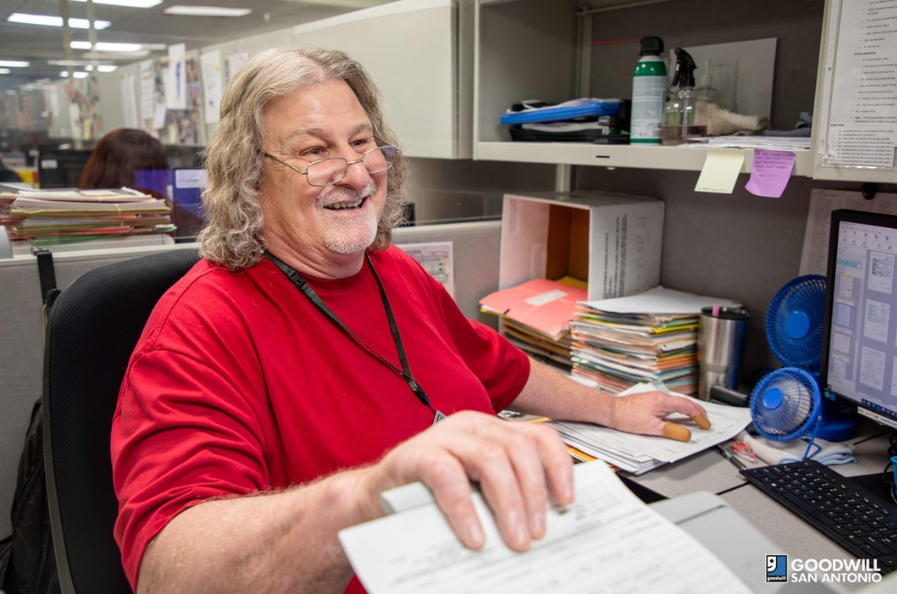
(599, 121)
(536, 316)
(649, 337)
(63, 216)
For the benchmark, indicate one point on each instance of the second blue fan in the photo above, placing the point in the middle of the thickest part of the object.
(786, 405)
(794, 322)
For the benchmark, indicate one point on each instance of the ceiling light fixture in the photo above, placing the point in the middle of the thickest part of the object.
(206, 11)
(5, 70)
(104, 46)
(107, 68)
(127, 3)
(24, 18)
(69, 62)
(14, 64)
(115, 56)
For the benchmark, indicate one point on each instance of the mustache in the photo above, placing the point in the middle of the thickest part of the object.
(343, 194)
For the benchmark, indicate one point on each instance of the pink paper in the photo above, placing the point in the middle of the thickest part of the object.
(770, 173)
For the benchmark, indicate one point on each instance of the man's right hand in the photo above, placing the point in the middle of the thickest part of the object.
(520, 467)
(287, 545)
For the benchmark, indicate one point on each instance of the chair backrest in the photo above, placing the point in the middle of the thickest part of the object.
(91, 331)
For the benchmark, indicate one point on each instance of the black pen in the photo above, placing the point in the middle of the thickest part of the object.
(725, 454)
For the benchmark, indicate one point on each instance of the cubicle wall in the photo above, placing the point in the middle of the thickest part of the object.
(21, 347)
(21, 341)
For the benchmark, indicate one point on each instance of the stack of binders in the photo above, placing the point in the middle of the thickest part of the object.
(649, 337)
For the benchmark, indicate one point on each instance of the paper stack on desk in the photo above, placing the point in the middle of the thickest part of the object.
(78, 215)
(651, 336)
(640, 453)
(536, 316)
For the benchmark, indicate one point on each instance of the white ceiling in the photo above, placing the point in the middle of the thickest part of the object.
(37, 44)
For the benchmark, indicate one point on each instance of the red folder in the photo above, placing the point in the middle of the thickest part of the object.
(542, 304)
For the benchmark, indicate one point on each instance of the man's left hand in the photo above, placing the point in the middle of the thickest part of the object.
(644, 413)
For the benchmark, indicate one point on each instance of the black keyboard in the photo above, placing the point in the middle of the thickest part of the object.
(859, 520)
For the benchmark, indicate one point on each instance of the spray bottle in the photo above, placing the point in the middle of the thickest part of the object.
(679, 113)
(649, 84)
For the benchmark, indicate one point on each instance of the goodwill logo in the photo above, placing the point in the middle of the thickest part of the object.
(842, 571)
(776, 568)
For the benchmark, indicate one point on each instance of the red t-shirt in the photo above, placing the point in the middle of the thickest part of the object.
(240, 384)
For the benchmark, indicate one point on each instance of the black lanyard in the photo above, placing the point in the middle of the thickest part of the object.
(405, 372)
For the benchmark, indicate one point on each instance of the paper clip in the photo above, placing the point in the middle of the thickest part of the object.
(739, 448)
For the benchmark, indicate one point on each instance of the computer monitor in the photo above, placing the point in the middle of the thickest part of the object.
(61, 168)
(859, 349)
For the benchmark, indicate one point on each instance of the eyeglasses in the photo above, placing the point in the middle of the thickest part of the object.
(327, 172)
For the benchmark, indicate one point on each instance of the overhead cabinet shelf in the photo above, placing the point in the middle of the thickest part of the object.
(535, 49)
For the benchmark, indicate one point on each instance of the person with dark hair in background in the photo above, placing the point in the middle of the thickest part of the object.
(117, 155)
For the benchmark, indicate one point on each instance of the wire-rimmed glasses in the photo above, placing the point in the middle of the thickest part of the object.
(327, 172)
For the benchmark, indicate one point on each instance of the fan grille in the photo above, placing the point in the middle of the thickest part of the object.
(794, 322)
(789, 416)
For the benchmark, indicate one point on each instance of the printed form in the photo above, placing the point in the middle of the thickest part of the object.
(608, 540)
(862, 120)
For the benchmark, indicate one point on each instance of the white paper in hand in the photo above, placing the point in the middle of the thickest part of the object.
(607, 540)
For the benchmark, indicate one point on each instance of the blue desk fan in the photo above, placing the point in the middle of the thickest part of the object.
(787, 403)
(794, 322)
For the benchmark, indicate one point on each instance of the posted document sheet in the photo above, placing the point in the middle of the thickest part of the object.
(607, 541)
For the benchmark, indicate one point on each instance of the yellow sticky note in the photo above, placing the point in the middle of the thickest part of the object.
(720, 172)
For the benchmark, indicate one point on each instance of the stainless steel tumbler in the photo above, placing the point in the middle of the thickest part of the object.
(721, 335)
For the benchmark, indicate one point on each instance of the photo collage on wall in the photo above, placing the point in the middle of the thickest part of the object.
(186, 124)
(84, 109)
(161, 114)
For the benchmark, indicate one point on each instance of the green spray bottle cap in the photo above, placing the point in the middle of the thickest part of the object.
(684, 76)
(651, 46)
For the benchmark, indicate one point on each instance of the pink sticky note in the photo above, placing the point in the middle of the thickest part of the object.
(770, 173)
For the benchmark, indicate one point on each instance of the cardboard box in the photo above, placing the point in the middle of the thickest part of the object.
(611, 241)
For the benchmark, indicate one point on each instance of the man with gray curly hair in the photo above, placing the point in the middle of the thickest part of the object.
(301, 367)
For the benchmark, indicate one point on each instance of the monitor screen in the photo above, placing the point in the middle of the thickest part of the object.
(61, 168)
(859, 350)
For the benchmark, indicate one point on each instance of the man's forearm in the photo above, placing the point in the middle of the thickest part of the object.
(280, 542)
(549, 393)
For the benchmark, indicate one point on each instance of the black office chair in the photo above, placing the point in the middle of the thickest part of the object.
(91, 331)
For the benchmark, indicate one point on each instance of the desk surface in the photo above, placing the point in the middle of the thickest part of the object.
(709, 471)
